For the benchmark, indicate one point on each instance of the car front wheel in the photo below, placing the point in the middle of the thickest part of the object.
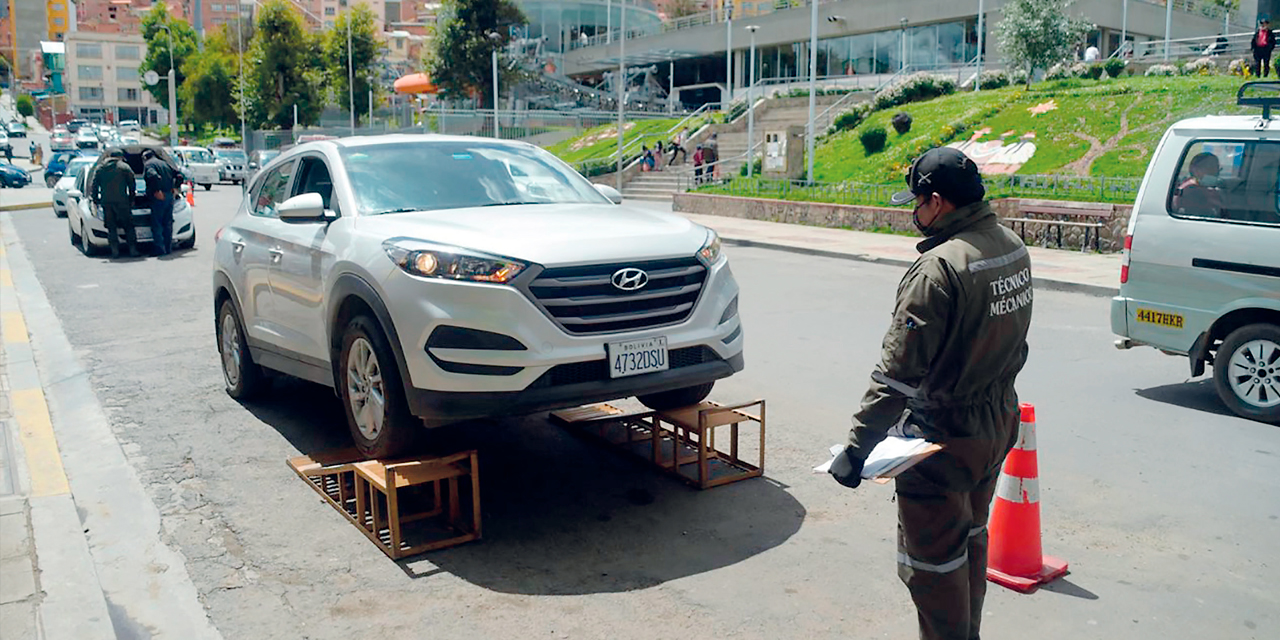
(677, 398)
(369, 379)
(207, 186)
(244, 378)
(1246, 372)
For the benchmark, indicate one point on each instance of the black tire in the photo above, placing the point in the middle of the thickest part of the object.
(243, 377)
(677, 398)
(50, 181)
(189, 244)
(86, 247)
(207, 186)
(75, 237)
(398, 429)
(1255, 350)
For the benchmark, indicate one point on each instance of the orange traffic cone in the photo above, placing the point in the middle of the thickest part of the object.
(191, 195)
(1014, 556)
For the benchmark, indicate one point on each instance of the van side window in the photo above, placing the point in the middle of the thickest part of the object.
(1228, 181)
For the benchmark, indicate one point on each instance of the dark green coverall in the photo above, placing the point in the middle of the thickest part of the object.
(957, 341)
(114, 190)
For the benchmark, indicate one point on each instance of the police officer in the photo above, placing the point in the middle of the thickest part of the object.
(956, 343)
(114, 191)
(160, 182)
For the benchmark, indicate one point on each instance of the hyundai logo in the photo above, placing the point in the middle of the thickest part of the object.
(630, 279)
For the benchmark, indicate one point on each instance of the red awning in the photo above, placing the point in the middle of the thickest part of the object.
(415, 83)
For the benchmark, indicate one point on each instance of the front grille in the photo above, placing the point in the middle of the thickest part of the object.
(583, 300)
(598, 370)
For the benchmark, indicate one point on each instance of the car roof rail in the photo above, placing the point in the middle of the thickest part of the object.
(1266, 102)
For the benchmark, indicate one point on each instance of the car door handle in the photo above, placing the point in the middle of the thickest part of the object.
(276, 254)
(238, 244)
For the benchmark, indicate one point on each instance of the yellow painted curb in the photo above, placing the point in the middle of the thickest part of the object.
(25, 206)
(6, 280)
(13, 328)
(35, 431)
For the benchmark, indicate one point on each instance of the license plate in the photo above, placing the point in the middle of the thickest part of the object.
(144, 233)
(635, 357)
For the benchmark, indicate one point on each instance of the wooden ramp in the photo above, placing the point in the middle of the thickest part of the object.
(407, 506)
(681, 442)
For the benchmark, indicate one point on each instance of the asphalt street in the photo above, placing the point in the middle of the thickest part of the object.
(1165, 505)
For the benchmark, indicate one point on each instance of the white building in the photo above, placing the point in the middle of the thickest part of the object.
(102, 78)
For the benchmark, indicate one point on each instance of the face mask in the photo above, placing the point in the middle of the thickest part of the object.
(1210, 181)
(915, 219)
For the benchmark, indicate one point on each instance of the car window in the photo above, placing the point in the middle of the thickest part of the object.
(199, 156)
(425, 176)
(313, 177)
(1228, 181)
(273, 190)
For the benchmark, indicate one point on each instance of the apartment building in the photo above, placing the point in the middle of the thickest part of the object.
(102, 78)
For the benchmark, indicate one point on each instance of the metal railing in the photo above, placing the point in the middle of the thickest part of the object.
(632, 150)
(1099, 188)
(1235, 44)
(687, 177)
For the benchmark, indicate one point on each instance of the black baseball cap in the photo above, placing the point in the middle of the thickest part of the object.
(945, 171)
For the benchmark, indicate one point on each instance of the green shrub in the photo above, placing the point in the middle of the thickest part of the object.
(1019, 76)
(1161, 70)
(993, 79)
(25, 105)
(1201, 67)
(849, 120)
(1113, 67)
(873, 139)
(1095, 71)
(914, 88)
(756, 167)
(1060, 71)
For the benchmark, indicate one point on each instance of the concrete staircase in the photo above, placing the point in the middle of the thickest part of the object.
(655, 186)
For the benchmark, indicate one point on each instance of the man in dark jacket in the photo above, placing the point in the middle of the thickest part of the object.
(114, 191)
(160, 182)
(1262, 44)
(957, 341)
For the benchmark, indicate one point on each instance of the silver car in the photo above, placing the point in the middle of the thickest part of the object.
(233, 165)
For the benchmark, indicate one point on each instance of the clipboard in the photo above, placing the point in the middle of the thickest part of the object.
(885, 477)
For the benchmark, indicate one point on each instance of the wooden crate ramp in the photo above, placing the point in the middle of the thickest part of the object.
(681, 442)
(407, 506)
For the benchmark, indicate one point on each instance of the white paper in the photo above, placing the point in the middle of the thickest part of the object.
(891, 452)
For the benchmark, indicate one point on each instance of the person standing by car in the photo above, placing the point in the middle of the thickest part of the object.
(114, 191)
(159, 178)
(1263, 43)
(957, 341)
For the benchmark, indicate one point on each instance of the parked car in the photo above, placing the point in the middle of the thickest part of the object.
(127, 140)
(5, 144)
(260, 158)
(16, 129)
(67, 182)
(233, 165)
(13, 177)
(130, 126)
(1201, 271)
(74, 125)
(57, 165)
(199, 165)
(85, 225)
(416, 277)
(87, 139)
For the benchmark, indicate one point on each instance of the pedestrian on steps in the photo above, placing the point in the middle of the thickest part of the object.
(956, 343)
(113, 191)
(1262, 45)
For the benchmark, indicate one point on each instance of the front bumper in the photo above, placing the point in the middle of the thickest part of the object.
(183, 226)
(555, 369)
(232, 175)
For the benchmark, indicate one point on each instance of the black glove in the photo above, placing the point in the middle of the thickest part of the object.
(847, 469)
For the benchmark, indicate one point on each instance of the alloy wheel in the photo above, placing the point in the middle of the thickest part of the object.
(365, 392)
(1255, 373)
(231, 356)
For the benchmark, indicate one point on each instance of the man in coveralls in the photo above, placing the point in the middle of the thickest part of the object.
(114, 190)
(956, 343)
(160, 188)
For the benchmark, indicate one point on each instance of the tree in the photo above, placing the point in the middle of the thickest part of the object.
(282, 69)
(366, 50)
(211, 89)
(25, 105)
(682, 8)
(157, 25)
(467, 32)
(1036, 34)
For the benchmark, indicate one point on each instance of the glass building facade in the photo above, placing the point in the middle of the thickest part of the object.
(566, 24)
(921, 47)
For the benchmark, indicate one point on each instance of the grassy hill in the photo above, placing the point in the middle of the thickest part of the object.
(602, 141)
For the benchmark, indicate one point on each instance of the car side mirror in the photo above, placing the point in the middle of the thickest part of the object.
(609, 192)
(305, 207)
(253, 165)
(75, 193)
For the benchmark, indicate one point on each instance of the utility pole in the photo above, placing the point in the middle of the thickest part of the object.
(1124, 27)
(728, 49)
(982, 14)
(622, 89)
(1168, 27)
(751, 90)
(173, 91)
(810, 140)
(244, 141)
(495, 94)
(351, 82)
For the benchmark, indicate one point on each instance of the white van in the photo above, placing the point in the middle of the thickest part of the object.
(200, 165)
(1201, 273)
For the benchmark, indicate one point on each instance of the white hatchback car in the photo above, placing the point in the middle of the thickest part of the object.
(418, 278)
(199, 165)
(68, 181)
(88, 230)
(1201, 274)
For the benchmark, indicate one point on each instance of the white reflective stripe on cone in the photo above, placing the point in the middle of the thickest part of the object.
(901, 387)
(977, 531)
(1018, 490)
(946, 567)
(1026, 436)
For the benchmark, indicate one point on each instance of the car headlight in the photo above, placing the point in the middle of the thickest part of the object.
(709, 254)
(431, 260)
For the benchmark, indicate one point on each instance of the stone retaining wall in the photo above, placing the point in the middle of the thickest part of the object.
(864, 218)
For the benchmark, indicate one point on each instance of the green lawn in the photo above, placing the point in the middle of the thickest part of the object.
(601, 142)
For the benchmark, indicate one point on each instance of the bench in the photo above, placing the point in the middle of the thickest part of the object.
(1092, 219)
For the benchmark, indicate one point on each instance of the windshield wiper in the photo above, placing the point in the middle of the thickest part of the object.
(401, 210)
(510, 203)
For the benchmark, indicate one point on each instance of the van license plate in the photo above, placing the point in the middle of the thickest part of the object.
(635, 357)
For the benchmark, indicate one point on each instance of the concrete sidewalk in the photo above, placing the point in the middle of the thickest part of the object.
(1090, 273)
(33, 196)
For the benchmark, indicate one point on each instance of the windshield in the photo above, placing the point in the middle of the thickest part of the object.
(82, 161)
(230, 154)
(199, 156)
(430, 175)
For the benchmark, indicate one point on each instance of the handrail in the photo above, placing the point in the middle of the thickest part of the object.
(1234, 43)
(684, 174)
(699, 110)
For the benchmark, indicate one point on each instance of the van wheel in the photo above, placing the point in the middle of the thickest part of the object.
(244, 378)
(207, 186)
(676, 398)
(372, 394)
(1246, 372)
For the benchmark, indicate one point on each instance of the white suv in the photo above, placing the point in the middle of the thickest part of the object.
(450, 278)
(1201, 274)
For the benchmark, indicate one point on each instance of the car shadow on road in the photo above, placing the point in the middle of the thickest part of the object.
(1199, 395)
(561, 514)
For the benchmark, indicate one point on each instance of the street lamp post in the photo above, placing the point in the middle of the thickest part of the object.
(751, 90)
(977, 81)
(1124, 26)
(1168, 28)
(622, 88)
(495, 94)
(813, 85)
(173, 91)
(244, 141)
(903, 66)
(351, 79)
(728, 49)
